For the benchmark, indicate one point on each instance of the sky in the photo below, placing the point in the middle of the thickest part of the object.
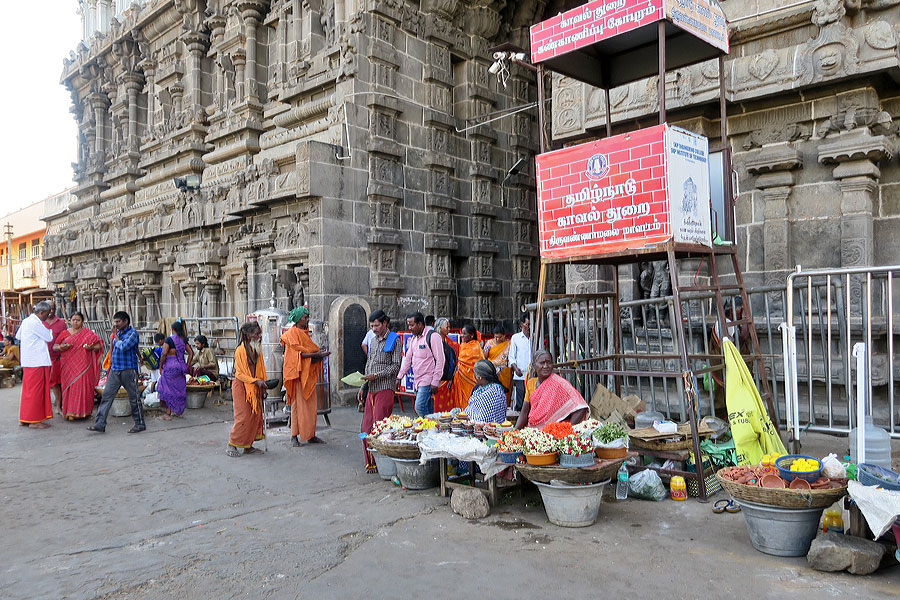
(38, 131)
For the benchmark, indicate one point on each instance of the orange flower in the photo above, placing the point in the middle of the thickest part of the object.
(559, 430)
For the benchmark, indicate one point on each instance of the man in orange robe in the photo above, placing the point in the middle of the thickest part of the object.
(302, 368)
(248, 392)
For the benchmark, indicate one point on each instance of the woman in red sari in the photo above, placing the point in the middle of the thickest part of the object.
(80, 351)
(548, 397)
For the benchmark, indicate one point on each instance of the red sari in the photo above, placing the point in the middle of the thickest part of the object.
(443, 398)
(79, 372)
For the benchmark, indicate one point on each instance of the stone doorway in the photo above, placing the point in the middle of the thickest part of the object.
(348, 321)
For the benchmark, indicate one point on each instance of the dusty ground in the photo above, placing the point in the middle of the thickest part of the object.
(165, 514)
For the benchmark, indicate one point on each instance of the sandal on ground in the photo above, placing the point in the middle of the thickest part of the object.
(295, 443)
(315, 440)
(252, 450)
(733, 507)
(720, 506)
(232, 452)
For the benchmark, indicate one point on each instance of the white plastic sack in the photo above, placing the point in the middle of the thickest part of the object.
(619, 443)
(880, 507)
(151, 400)
(433, 444)
(647, 485)
(832, 467)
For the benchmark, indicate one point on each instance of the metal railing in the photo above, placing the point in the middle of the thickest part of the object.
(831, 311)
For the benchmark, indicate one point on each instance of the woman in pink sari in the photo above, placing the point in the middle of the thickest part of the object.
(80, 350)
(549, 398)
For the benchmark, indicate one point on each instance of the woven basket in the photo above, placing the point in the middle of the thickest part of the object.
(653, 445)
(395, 450)
(603, 469)
(782, 498)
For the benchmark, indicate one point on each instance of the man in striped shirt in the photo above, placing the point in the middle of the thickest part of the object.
(382, 366)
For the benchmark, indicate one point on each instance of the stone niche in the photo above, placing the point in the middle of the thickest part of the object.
(348, 320)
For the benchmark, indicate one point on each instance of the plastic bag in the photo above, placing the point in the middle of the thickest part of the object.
(647, 485)
(151, 400)
(832, 467)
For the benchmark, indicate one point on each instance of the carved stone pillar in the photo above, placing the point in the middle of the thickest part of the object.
(774, 165)
(251, 14)
(213, 289)
(101, 302)
(133, 85)
(151, 301)
(196, 43)
(242, 289)
(855, 154)
(189, 289)
(99, 102)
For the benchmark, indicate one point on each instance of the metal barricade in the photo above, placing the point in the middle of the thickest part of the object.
(830, 310)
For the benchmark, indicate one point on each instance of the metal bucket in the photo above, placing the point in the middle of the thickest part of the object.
(415, 476)
(196, 399)
(121, 407)
(387, 468)
(572, 505)
(780, 531)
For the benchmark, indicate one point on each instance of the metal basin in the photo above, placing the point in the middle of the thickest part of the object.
(415, 476)
(196, 399)
(387, 468)
(780, 531)
(572, 505)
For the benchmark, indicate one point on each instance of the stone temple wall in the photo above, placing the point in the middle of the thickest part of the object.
(338, 151)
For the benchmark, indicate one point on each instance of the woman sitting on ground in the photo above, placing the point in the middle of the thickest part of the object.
(487, 403)
(10, 357)
(549, 398)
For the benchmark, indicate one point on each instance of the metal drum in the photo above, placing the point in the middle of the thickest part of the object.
(272, 321)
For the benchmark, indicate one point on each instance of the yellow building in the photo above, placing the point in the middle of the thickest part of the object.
(23, 272)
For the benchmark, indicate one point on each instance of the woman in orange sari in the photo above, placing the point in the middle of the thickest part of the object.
(248, 392)
(79, 349)
(302, 368)
(464, 380)
(443, 397)
(496, 350)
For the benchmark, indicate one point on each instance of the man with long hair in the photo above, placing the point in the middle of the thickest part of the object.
(248, 392)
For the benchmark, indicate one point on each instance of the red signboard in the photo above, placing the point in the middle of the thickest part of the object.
(624, 192)
(603, 19)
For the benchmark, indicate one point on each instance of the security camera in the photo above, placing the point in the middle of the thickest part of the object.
(495, 68)
(499, 55)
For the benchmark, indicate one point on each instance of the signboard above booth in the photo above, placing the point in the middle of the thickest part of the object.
(582, 42)
(626, 192)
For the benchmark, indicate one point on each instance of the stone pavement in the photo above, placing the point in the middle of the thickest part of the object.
(166, 514)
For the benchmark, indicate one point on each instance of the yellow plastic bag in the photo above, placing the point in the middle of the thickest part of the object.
(751, 428)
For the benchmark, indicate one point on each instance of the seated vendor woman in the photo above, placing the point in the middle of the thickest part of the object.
(549, 398)
(204, 362)
(10, 356)
(487, 403)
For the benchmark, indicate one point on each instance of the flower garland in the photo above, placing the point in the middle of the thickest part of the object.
(511, 442)
(536, 441)
(575, 445)
(587, 427)
(559, 430)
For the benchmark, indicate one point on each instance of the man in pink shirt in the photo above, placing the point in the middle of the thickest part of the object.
(426, 357)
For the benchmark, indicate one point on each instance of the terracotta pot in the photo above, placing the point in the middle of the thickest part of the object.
(541, 460)
(772, 482)
(607, 453)
(799, 484)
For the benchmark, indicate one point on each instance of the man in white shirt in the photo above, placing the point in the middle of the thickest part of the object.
(520, 359)
(35, 406)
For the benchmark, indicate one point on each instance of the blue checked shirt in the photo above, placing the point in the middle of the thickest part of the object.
(125, 351)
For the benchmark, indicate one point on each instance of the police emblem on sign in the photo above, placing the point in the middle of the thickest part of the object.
(597, 166)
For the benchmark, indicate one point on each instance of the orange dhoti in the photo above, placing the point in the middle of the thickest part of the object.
(300, 378)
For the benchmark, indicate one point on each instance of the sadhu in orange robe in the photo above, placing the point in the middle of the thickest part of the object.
(300, 378)
(464, 379)
(247, 400)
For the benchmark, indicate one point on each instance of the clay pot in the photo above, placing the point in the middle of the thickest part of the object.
(799, 484)
(607, 453)
(772, 482)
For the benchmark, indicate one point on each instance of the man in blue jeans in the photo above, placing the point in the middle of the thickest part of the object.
(123, 372)
(426, 357)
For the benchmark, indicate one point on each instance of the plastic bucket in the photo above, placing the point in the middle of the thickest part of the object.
(415, 476)
(572, 505)
(387, 468)
(780, 531)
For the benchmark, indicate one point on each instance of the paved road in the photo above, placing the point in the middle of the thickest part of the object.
(166, 514)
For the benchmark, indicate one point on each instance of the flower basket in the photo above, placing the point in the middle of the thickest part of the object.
(540, 460)
(606, 453)
(509, 458)
(576, 460)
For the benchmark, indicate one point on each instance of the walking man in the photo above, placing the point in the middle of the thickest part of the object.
(56, 326)
(35, 406)
(123, 371)
(382, 365)
(520, 358)
(426, 357)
